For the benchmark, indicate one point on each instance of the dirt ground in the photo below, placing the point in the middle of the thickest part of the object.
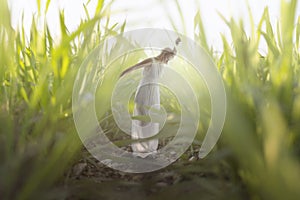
(187, 178)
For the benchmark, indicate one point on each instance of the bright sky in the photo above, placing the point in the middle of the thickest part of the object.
(152, 13)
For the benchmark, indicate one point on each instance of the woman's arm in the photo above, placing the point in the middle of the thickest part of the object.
(139, 65)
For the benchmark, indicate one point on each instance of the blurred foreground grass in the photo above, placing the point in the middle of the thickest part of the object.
(38, 140)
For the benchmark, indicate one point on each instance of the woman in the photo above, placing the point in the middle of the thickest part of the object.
(147, 97)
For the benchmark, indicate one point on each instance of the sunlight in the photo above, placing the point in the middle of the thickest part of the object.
(151, 14)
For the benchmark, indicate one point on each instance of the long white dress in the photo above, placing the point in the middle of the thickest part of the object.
(147, 96)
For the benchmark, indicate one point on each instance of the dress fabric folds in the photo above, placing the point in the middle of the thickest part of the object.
(147, 97)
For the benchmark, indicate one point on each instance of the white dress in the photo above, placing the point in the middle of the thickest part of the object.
(147, 96)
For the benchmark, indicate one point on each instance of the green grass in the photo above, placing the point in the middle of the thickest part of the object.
(38, 140)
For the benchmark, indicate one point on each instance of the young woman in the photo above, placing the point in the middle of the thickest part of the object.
(147, 97)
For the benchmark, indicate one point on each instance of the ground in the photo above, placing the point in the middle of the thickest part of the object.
(187, 178)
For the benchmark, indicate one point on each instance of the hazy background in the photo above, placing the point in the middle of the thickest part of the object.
(150, 13)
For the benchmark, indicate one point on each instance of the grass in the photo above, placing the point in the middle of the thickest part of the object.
(259, 144)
